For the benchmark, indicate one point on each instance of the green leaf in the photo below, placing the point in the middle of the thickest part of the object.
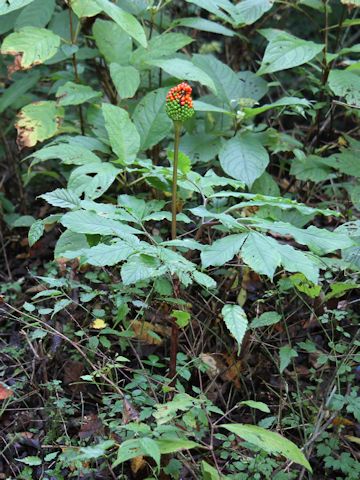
(151, 120)
(286, 354)
(271, 442)
(93, 179)
(345, 83)
(37, 14)
(89, 222)
(85, 8)
(216, 7)
(17, 89)
(69, 240)
(11, 5)
(261, 254)
(125, 20)
(74, 94)
(346, 162)
(140, 267)
(203, 279)
(282, 102)
(203, 24)
(123, 135)
(184, 162)
(151, 449)
(244, 158)
(32, 45)
(62, 198)
(297, 261)
(170, 445)
(103, 255)
(164, 45)
(223, 250)
(208, 472)
(236, 321)
(182, 317)
(312, 168)
(248, 11)
(126, 79)
(258, 405)
(184, 69)
(38, 122)
(108, 36)
(35, 232)
(286, 51)
(227, 83)
(265, 320)
(31, 461)
(69, 154)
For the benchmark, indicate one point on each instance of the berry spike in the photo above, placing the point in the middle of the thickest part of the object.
(179, 103)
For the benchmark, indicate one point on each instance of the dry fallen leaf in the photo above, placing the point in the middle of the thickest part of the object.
(148, 332)
(137, 464)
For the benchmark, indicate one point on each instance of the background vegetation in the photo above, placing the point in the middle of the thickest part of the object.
(257, 293)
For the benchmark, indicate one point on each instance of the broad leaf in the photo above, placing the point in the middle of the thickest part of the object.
(170, 445)
(31, 45)
(92, 179)
(91, 223)
(271, 442)
(62, 198)
(184, 69)
(38, 122)
(126, 79)
(123, 135)
(17, 89)
(85, 8)
(203, 24)
(257, 405)
(151, 120)
(243, 157)
(140, 267)
(108, 36)
(248, 11)
(223, 250)
(261, 254)
(236, 321)
(345, 83)
(286, 354)
(35, 232)
(266, 319)
(69, 154)
(74, 94)
(125, 20)
(105, 255)
(37, 14)
(286, 51)
(11, 5)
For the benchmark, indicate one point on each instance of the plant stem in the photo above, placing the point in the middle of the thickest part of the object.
(174, 341)
(177, 128)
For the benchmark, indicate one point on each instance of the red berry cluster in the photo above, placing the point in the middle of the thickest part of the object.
(179, 104)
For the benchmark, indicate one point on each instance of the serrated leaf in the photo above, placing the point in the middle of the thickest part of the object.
(125, 20)
(31, 45)
(184, 69)
(69, 240)
(260, 253)
(151, 120)
(312, 168)
(92, 179)
(37, 14)
(90, 223)
(74, 94)
(243, 157)
(108, 36)
(204, 279)
(38, 122)
(286, 51)
(30, 460)
(286, 353)
(126, 79)
(297, 261)
(69, 154)
(223, 250)
(140, 267)
(271, 442)
(123, 135)
(35, 232)
(236, 321)
(105, 255)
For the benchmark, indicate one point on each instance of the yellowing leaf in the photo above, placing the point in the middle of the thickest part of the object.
(98, 324)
